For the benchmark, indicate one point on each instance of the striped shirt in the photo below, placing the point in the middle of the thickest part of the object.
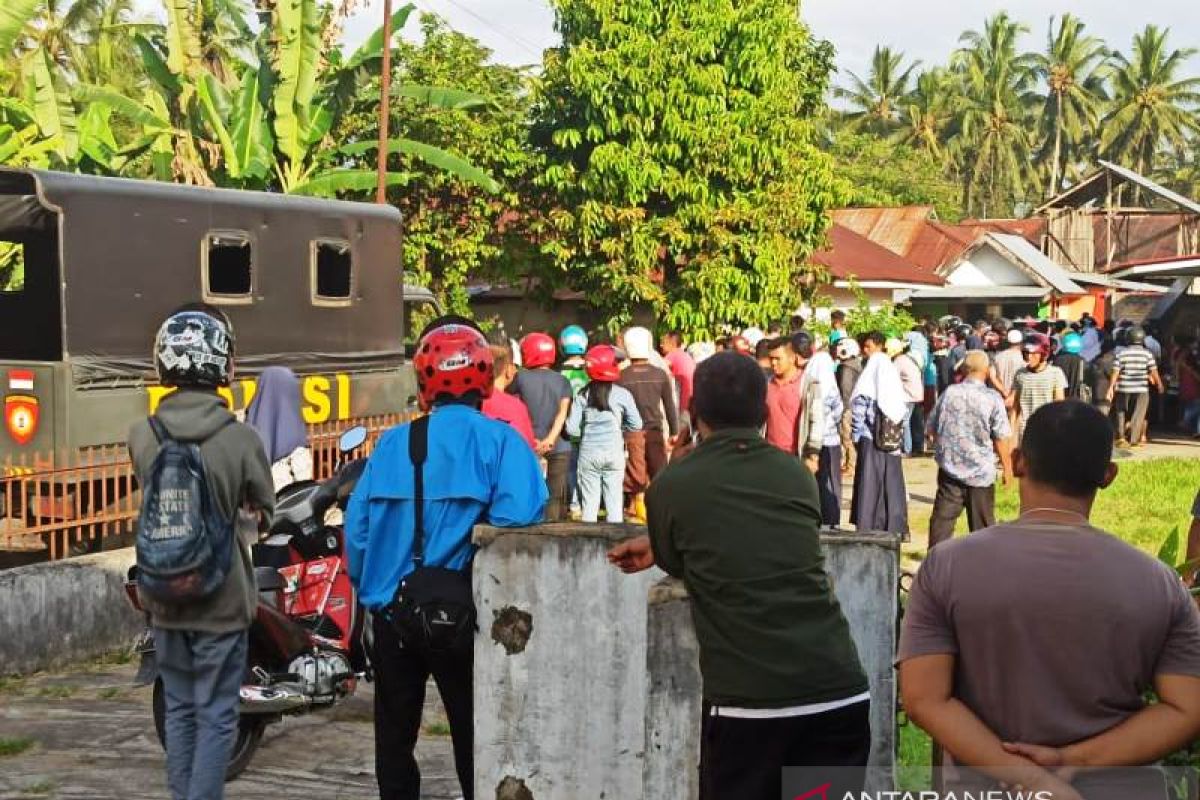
(1135, 365)
(1036, 389)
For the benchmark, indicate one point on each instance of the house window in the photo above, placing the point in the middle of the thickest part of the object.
(332, 272)
(228, 267)
(12, 267)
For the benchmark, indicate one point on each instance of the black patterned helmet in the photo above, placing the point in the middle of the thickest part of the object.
(194, 347)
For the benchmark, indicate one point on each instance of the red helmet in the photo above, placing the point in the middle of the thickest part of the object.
(601, 363)
(537, 350)
(452, 359)
(1037, 343)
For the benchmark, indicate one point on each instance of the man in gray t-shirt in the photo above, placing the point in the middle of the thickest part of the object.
(1028, 647)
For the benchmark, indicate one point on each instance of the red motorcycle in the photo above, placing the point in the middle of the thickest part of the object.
(305, 650)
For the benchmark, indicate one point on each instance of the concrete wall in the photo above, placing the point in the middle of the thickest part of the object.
(560, 665)
(580, 692)
(64, 611)
(986, 267)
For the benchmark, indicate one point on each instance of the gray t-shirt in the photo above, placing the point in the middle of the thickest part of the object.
(542, 390)
(1057, 630)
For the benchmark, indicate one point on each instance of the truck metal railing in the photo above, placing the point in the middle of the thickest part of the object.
(69, 503)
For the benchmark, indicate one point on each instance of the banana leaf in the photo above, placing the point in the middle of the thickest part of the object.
(249, 128)
(373, 47)
(53, 110)
(434, 156)
(214, 108)
(441, 96)
(183, 37)
(125, 106)
(332, 181)
(155, 65)
(297, 57)
(14, 16)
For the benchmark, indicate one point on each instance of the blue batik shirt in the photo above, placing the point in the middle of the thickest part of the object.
(478, 470)
(968, 418)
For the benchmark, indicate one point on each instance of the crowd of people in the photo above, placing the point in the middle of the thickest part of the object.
(772, 422)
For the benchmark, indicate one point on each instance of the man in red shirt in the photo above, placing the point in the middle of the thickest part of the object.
(682, 365)
(505, 407)
(783, 398)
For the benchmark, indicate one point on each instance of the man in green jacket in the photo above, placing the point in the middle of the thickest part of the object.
(737, 521)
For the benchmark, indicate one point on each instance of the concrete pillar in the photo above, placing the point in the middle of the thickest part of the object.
(864, 571)
(560, 665)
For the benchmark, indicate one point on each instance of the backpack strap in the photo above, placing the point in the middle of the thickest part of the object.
(418, 449)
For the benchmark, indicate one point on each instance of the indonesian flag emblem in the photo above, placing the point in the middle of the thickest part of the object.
(21, 417)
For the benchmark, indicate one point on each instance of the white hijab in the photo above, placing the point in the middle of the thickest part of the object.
(880, 382)
(820, 368)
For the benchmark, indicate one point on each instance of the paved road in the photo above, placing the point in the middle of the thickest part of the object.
(93, 739)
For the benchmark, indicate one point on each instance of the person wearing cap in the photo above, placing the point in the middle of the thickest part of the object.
(1005, 366)
(913, 383)
(850, 367)
(1073, 365)
(547, 395)
(652, 390)
(970, 429)
(1135, 372)
(1038, 383)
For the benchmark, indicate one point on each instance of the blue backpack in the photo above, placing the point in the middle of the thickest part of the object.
(184, 543)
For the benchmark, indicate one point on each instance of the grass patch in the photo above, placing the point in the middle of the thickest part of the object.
(15, 746)
(110, 693)
(11, 684)
(42, 787)
(115, 658)
(913, 770)
(56, 692)
(437, 728)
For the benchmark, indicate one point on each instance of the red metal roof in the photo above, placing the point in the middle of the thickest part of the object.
(893, 228)
(939, 244)
(852, 255)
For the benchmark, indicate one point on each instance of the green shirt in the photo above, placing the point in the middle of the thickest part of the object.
(737, 521)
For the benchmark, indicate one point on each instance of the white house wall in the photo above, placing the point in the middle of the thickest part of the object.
(986, 267)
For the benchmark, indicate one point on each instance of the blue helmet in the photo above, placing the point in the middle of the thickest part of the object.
(573, 341)
(1072, 343)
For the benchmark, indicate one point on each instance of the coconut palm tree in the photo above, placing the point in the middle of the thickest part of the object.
(1152, 104)
(994, 117)
(876, 101)
(1073, 69)
(927, 113)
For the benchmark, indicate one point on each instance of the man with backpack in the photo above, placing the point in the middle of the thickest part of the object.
(409, 550)
(207, 491)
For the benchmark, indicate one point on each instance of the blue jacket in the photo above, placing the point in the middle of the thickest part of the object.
(477, 470)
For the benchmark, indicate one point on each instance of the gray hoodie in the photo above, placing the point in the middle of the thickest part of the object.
(237, 469)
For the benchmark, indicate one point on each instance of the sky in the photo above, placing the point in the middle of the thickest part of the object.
(518, 30)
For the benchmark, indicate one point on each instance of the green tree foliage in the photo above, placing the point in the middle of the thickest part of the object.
(682, 170)
(454, 228)
(882, 172)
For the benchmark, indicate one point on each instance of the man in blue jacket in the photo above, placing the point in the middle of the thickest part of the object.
(476, 470)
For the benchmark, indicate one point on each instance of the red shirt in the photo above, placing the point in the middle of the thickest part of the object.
(783, 413)
(508, 408)
(682, 369)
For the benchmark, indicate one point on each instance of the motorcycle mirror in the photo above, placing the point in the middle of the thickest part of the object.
(352, 439)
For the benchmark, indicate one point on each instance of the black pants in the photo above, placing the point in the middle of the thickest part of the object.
(952, 496)
(558, 465)
(1131, 408)
(829, 482)
(400, 677)
(743, 759)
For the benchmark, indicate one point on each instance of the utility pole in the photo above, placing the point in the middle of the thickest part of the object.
(385, 91)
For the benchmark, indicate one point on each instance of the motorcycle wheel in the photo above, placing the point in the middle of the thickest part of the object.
(250, 731)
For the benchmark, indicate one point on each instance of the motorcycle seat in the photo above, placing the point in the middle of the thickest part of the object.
(268, 579)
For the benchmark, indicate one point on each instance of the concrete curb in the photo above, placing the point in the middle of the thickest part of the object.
(61, 612)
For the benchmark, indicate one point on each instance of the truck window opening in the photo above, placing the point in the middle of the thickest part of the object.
(12, 267)
(334, 270)
(228, 266)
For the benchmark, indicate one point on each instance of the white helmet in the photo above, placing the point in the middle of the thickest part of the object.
(847, 347)
(1016, 336)
(753, 336)
(639, 343)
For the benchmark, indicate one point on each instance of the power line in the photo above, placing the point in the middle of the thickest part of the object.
(513, 37)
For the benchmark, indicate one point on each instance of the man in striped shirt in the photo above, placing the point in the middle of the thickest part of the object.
(1136, 371)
